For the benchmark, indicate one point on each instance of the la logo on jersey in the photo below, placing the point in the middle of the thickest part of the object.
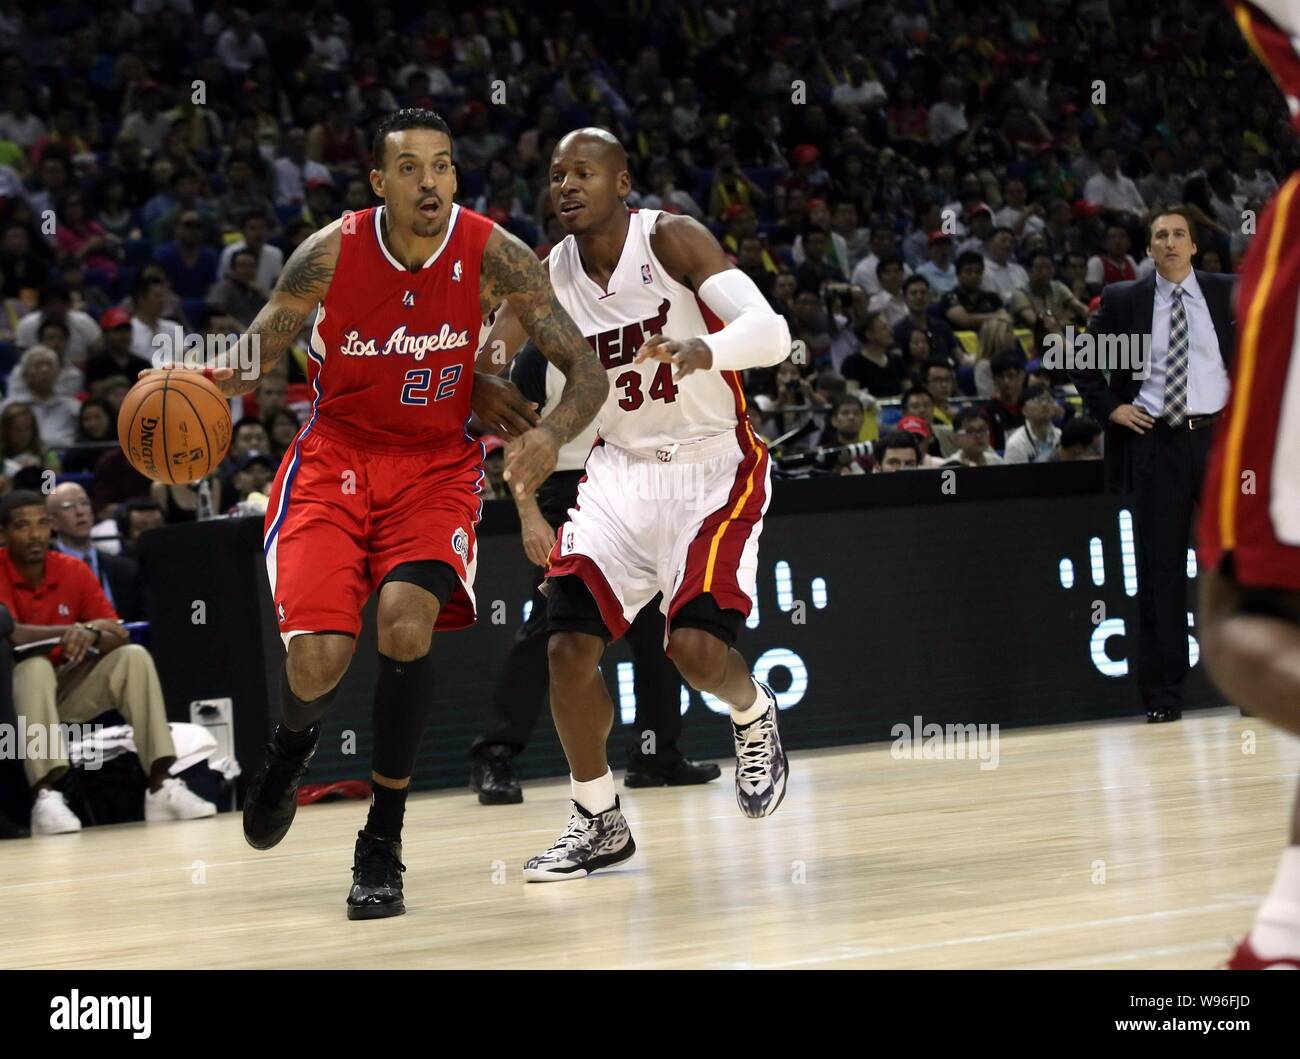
(399, 343)
(408, 299)
(460, 543)
(455, 271)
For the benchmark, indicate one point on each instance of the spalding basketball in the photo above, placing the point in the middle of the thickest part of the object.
(174, 427)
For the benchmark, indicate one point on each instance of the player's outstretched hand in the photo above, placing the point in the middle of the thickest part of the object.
(530, 461)
(500, 406)
(685, 357)
(538, 537)
(215, 374)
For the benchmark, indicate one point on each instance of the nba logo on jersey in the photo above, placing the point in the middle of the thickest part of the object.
(408, 299)
(567, 545)
(460, 541)
(455, 271)
(645, 273)
(279, 610)
(63, 610)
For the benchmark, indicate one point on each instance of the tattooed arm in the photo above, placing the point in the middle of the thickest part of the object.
(301, 287)
(299, 290)
(512, 273)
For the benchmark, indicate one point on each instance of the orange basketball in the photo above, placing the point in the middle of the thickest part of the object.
(174, 427)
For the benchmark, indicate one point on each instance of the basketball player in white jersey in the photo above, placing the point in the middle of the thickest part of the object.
(675, 489)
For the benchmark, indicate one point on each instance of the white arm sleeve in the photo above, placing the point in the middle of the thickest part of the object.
(755, 336)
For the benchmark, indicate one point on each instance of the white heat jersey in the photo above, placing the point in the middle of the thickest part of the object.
(645, 409)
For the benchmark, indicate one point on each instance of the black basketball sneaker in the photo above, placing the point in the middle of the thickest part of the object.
(272, 798)
(590, 842)
(761, 764)
(376, 878)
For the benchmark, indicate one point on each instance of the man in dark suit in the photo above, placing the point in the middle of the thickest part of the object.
(1158, 429)
(73, 519)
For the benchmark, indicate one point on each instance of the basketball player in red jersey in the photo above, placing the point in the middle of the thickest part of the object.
(380, 489)
(675, 488)
(1249, 534)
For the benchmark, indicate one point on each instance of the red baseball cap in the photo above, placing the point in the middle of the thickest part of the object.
(806, 154)
(914, 425)
(938, 236)
(114, 317)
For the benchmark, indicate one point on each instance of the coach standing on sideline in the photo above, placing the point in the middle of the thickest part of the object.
(1158, 431)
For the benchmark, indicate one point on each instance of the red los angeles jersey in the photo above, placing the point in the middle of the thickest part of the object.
(392, 351)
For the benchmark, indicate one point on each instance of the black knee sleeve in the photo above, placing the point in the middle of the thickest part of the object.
(433, 575)
(403, 699)
(296, 714)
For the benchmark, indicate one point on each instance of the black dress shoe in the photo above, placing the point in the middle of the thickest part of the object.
(376, 878)
(672, 772)
(272, 799)
(493, 777)
(1162, 714)
(9, 829)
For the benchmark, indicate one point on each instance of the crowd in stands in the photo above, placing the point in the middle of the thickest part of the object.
(928, 190)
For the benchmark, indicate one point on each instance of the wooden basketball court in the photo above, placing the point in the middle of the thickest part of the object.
(1090, 846)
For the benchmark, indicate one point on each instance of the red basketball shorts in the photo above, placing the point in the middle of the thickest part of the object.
(341, 517)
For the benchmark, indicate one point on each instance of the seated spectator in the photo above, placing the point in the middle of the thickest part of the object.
(796, 399)
(877, 367)
(117, 357)
(136, 517)
(889, 299)
(939, 335)
(971, 430)
(152, 334)
(73, 518)
(191, 266)
(938, 269)
(1003, 275)
(1080, 440)
(918, 403)
(979, 223)
(1003, 409)
(242, 196)
(664, 193)
(71, 380)
(819, 265)
(1114, 264)
(924, 434)
(898, 450)
(293, 169)
(56, 304)
(21, 444)
(253, 474)
(282, 427)
(883, 246)
(84, 239)
(968, 305)
(54, 596)
(1046, 305)
(918, 357)
(268, 260)
(56, 415)
(940, 381)
(246, 435)
(750, 258)
(845, 428)
(236, 296)
(96, 427)
(1036, 441)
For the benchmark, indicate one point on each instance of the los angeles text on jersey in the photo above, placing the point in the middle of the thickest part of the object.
(401, 344)
(619, 345)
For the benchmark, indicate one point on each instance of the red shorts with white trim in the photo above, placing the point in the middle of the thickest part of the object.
(683, 522)
(340, 518)
(1250, 506)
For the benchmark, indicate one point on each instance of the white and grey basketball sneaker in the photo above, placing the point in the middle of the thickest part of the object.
(590, 842)
(761, 764)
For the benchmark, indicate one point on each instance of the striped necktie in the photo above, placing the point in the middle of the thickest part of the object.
(1177, 363)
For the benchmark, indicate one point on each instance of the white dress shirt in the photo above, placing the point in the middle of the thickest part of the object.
(1207, 378)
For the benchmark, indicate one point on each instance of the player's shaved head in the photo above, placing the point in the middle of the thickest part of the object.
(589, 181)
(601, 144)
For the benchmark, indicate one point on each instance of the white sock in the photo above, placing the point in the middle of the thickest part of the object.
(1277, 924)
(594, 795)
(743, 715)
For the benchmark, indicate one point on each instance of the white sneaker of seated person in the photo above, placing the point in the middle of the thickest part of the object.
(51, 815)
(175, 801)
